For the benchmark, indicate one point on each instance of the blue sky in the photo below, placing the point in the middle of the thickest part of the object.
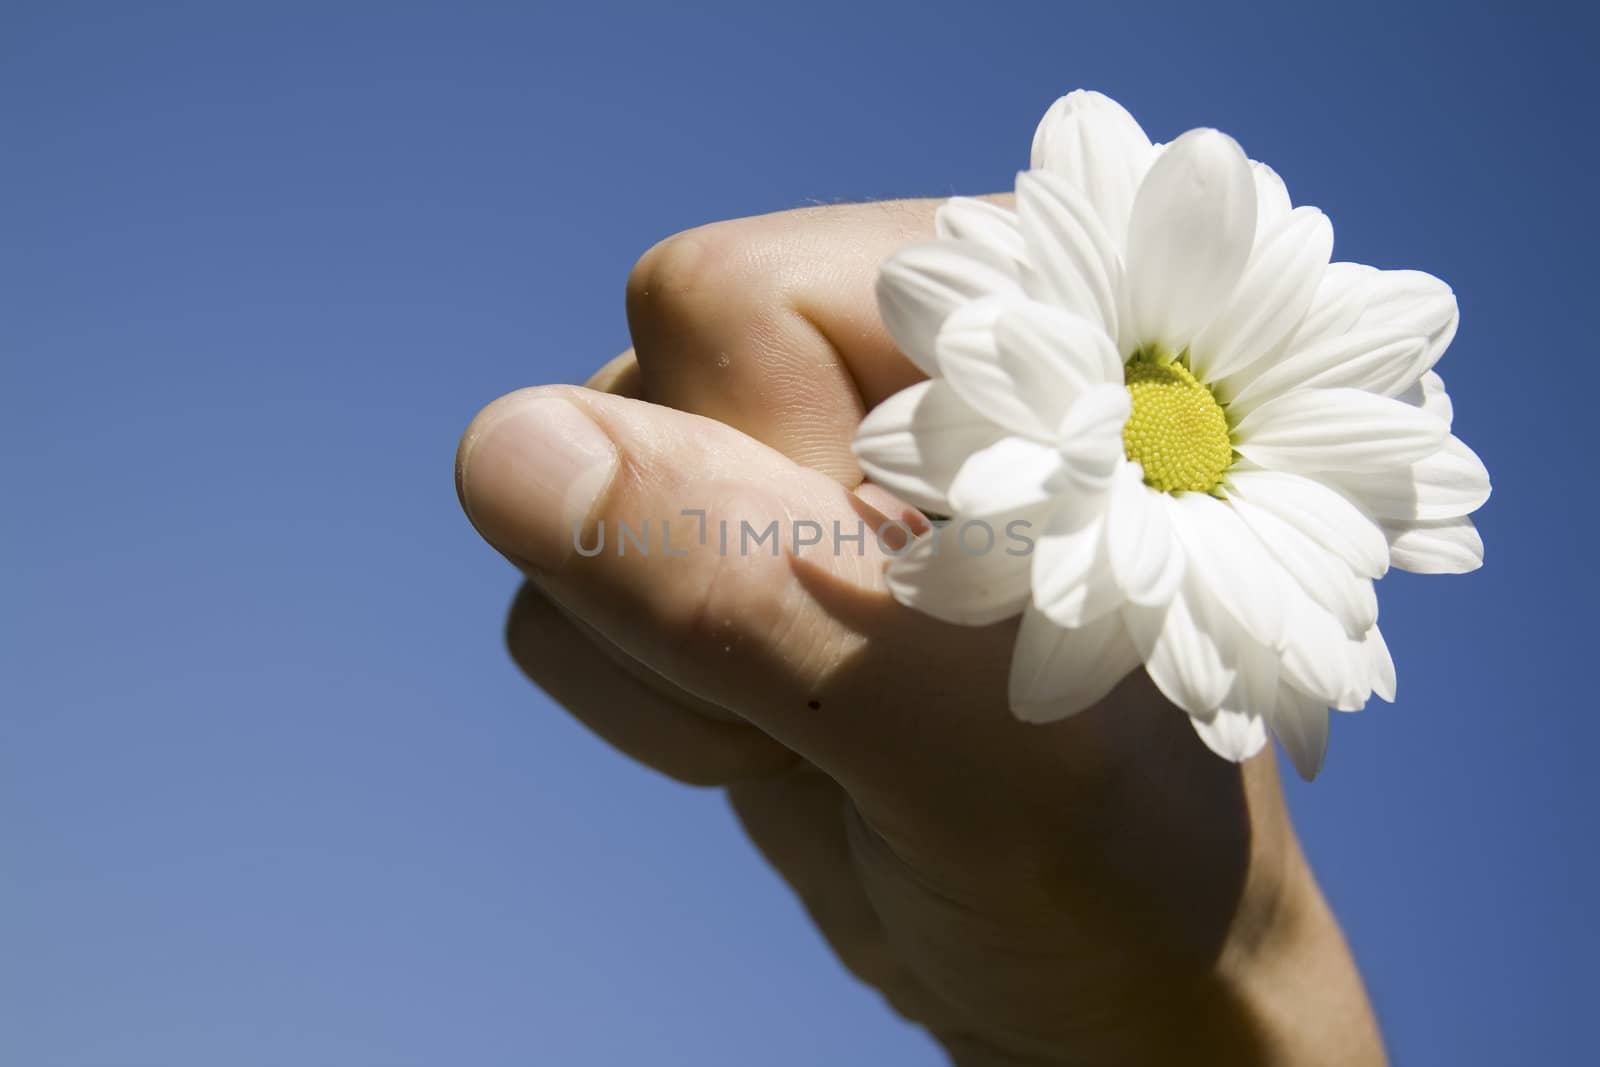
(271, 792)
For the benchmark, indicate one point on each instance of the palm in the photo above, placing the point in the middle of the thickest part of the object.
(1022, 894)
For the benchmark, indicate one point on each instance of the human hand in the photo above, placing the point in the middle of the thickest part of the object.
(1101, 889)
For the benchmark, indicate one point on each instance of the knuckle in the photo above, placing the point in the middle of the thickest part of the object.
(685, 279)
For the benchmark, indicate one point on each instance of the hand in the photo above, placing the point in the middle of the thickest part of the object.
(1098, 890)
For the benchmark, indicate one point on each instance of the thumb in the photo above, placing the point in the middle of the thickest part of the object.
(743, 578)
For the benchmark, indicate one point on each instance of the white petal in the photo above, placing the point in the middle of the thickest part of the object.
(1023, 363)
(1271, 298)
(1323, 576)
(966, 218)
(1076, 350)
(1382, 664)
(1094, 143)
(1090, 437)
(1415, 302)
(1180, 654)
(1056, 671)
(1013, 472)
(1378, 361)
(968, 349)
(1301, 725)
(1227, 561)
(1313, 657)
(1233, 735)
(914, 443)
(1336, 430)
(1255, 684)
(921, 284)
(1189, 237)
(1435, 546)
(1428, 393)
(1447, 484)
(1272, 198)
(1339, 303)
(965, 578)
(1320, 513)
(1071, 578)
(1320, 659)
(1146, 560)
(1074, 258)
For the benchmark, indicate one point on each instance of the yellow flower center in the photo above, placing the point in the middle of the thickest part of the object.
(1177, 430)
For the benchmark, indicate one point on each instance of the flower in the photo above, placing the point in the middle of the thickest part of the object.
(1220, 437)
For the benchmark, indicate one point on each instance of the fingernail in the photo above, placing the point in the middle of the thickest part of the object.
(534, 475)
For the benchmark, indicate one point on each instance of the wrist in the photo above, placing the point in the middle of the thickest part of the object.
(1281, 988)
(1285, 970)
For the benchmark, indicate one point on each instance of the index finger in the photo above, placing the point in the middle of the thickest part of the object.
(771, 324)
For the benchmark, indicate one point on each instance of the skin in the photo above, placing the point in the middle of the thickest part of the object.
(1100, 890)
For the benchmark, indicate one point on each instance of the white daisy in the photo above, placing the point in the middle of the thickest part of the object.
(1219, 437)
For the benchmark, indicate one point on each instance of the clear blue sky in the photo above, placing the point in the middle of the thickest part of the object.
(270, 791)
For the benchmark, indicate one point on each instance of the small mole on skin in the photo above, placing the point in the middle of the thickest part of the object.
(813, 704)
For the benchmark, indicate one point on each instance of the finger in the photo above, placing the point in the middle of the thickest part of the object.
(770, 324)
(636, 711)
(785, 638)
(674, 731)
